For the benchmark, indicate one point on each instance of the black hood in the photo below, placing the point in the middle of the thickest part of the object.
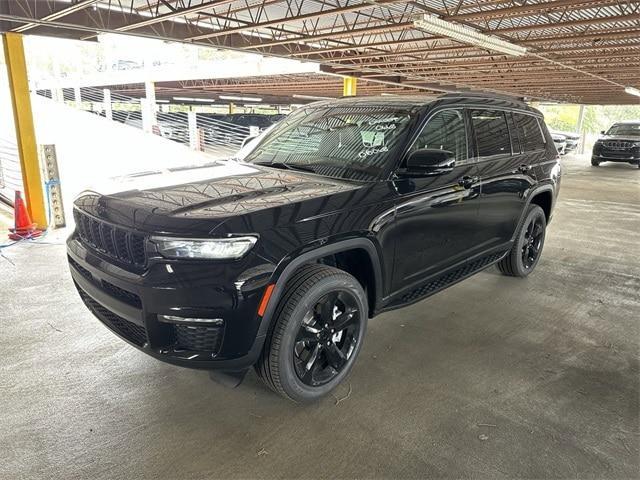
(198, 200)
(629, 138)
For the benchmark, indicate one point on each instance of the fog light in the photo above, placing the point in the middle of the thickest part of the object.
(216, 322)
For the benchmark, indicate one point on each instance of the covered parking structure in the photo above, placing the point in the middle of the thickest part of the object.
(284, 89)
(492, 378)
(579, 51)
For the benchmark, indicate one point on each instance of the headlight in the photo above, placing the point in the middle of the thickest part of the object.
(205, 248)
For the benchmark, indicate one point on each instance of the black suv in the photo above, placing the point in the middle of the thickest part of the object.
(621, 143)
(346, 209)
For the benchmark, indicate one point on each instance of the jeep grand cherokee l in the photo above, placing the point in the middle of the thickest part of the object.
(560, 141)
(566, 142)
(621, 143)
(346, 209)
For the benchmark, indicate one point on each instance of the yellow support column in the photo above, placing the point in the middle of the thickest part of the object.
(25, 132)
(232, 109)
(349, 86)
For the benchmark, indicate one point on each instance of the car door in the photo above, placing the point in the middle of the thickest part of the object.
(505, 174)
(436, 215)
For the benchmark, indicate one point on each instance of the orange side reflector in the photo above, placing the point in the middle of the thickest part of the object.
(265, 299)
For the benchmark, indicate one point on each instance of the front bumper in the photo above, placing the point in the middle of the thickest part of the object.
(129, 302)
(571, 145)
(631, 155)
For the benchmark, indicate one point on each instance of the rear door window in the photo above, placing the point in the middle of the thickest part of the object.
(513, 131)
(530, 132)
(491, 132)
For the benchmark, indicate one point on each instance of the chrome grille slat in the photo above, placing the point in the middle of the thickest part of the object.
(618, 144)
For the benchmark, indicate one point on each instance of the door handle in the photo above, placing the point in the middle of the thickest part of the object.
(524, 168)
(468, 181)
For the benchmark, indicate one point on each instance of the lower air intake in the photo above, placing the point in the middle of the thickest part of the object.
(126, 329)
(207, 339)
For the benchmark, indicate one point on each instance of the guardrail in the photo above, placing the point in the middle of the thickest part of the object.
(206, 132)
(10, 174)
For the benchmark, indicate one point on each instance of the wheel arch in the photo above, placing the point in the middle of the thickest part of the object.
(364, 248)
(544, 199)
(543, 196)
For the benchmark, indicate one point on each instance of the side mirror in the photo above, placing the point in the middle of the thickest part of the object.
(429, 161)
(248, 138)
(602, 132)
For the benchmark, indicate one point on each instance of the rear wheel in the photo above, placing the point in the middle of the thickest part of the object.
(526, 250)
(594, 162)
(317, 333)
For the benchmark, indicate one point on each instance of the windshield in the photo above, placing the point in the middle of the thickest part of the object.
(625, 129)
(354, 143)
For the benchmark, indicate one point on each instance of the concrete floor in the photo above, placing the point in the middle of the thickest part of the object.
(496, 377)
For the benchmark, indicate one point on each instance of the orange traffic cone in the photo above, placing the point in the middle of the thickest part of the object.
(24, 228)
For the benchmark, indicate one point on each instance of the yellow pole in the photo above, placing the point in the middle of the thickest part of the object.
(349, 86)
(25, 132)
(232, 109)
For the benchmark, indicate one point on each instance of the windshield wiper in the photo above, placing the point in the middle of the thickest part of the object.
(285, 166)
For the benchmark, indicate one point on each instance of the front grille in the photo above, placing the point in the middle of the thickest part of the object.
(122, 294)
(132, 332)
(115, 242)
(618, 145)
(206, 339)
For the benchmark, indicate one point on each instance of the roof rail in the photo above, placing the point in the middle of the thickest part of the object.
(498, 96)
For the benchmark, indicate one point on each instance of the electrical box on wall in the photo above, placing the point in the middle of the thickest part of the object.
(51, 178)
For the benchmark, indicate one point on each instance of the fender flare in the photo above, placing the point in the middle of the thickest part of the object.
(340, 246)
(547, 187)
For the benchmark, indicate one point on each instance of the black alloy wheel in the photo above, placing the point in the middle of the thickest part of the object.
(316, 333)
(527, 248)
(533, 236)
(327, 338)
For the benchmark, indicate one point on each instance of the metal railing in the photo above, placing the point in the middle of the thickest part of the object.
(10, 173)
(220, 135)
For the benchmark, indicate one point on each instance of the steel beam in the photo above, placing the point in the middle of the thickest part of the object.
(534, 9)
(349, 86)
(25, 131)
(59, 14)
(180, 12)
(297, 18)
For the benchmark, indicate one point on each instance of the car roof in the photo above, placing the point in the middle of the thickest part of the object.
(627, 122)
(408, 101)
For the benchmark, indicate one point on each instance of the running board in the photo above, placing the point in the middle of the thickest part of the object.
(446, 280)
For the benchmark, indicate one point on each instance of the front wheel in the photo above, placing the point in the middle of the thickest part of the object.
(526, 250)
(594, 162)
(318, 329)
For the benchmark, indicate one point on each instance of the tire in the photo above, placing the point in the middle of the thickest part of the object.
(514, 264)
(305, 370)
(594, 162)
